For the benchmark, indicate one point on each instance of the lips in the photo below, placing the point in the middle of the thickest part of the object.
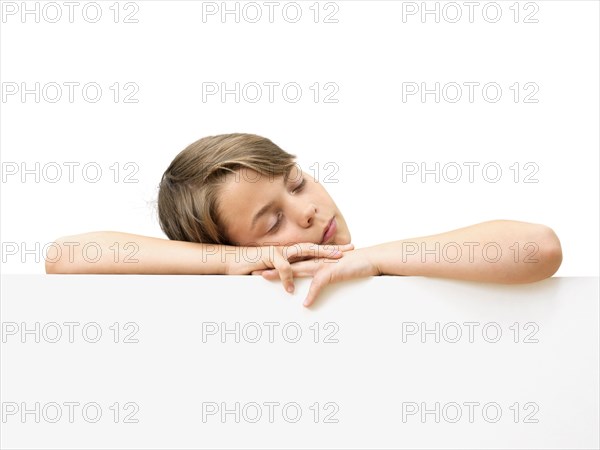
(329, 230)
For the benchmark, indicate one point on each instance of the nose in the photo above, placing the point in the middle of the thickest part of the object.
(307, 215)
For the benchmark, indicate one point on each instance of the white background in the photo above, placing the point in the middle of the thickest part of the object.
(529, 344)
(369, 53)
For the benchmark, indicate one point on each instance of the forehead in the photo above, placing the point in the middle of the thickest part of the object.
(246, 184)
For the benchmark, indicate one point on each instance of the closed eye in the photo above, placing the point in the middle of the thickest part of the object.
(300, 186)
(275, 227)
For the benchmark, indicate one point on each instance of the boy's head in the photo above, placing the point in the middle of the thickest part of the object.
(213, 190)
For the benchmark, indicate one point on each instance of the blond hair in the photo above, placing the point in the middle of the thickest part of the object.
(188, 197)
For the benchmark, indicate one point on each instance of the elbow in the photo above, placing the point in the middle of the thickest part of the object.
(50, 267)
(541, 260)
(554, 254)
(53, 258)
(61, 257)
(54, 267)
(550, 253)
(67, 255)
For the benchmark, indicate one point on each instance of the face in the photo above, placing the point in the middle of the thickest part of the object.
(260, 210)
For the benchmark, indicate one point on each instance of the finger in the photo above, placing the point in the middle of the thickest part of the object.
(285, 272)
(333, 251)
(340, 247)
(307, 250)
(300, 269)
(272, 274)
(315, 288)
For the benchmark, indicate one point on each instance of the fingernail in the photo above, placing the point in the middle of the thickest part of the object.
(290, 289)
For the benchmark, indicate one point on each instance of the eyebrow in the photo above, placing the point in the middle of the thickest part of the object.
(268, 207)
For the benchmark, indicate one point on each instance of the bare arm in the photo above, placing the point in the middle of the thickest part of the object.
(111, 252)
(123, 253)
(500, 251)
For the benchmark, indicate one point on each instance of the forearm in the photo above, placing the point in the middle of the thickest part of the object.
(124, 253)
(500, 251)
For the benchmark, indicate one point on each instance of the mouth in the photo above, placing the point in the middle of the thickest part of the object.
(329, 231)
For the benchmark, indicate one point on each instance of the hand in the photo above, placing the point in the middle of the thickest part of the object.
(355, 264)
(280, 258)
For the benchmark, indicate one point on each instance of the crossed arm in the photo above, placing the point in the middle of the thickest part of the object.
(497, 251)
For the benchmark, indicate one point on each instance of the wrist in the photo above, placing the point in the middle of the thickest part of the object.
(232, 262)
(244, 260)
(374, 256)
